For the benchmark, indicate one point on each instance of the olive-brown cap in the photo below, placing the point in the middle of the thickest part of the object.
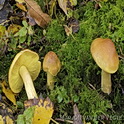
(105, 55)
(51, 63)
(26, 58)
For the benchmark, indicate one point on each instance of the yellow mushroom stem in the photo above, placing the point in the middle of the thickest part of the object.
(50, 81)
(106, 82)
(28, 83)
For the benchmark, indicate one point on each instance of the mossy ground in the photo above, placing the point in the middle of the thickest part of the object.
(79, 72)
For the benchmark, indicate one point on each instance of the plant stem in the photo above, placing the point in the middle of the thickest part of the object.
(106, 82)
(63, 120)
(28, 83)
(50, 81)
(54, 121)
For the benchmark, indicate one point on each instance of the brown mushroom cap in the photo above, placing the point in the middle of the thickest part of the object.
(105, 55)
(26, 58)
(51, 63)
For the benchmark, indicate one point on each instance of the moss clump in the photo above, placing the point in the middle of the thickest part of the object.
(91, 104)
(78, 67)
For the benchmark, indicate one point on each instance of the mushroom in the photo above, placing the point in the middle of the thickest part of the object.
(51, 65)
(106, 57)
(24, 69)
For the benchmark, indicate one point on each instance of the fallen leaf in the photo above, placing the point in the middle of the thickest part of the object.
(77, 117)
(20, 119)
(8, 93)
(5, 11)
(31, 20)
(63, 5)
(6, 114)
(43, 112)
(32, 102)
(34, 10)
(13, 28)
(21, 6)
(9, 120)
(26, 117)
(2, 31)
(1, 120)
(52, 4)
(30, 30)
(2, 4)
(20, 1)
(73, 2)
(68, 30)
(74, 23)
(67, 5)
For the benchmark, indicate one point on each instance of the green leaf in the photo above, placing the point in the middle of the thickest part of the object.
(20, 104)
(22, 32)
(30, 30)
(60, 98)
(26, 118)
(28, 114)
(16, 34)
(13, 42)
(74, 2)
(22, 39)
(52, 6)
(25, 24)
(75, 98)
(20, 119)
(29, 40)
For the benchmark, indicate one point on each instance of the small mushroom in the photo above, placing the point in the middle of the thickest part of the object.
(24, 69)
(106, 57)
(51, 65)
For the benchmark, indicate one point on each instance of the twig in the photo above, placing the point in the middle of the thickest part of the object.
(121, 56)
(92, 86)
(63, 120)
(4, 22)
(54, 121)
(121, 50)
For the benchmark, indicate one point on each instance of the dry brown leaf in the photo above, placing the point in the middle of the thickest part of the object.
(74, 23)
(77, 116)
(68, 30)
(63, 5)
(31, 20)
(34, 10)
(9, 94)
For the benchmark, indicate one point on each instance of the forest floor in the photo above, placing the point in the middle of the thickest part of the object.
(67, 28)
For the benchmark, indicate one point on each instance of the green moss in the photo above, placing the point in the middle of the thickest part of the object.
(78, 67)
